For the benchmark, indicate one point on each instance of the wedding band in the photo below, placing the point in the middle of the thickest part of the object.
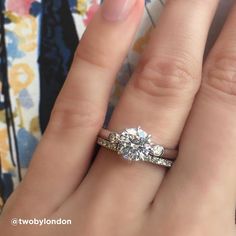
(134, 144)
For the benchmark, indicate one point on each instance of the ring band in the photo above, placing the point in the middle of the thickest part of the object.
(134, 144)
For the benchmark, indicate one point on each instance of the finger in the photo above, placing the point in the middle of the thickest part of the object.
(66, 148)
(205, 169)
(158, 98)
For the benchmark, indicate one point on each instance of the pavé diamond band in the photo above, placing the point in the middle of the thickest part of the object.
(134, 144)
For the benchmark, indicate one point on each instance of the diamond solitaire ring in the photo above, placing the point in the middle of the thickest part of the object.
(134, 144)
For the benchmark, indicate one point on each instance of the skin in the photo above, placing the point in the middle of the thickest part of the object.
(174, 96)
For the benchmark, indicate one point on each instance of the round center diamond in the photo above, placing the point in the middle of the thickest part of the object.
(134, 144)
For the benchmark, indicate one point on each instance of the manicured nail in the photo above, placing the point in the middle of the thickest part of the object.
(115, 10)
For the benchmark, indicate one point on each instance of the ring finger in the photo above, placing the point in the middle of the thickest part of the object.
(158, 98)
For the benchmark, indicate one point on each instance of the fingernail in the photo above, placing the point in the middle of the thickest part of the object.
(115, 10)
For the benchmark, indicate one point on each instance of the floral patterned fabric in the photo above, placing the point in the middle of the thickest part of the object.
(37, 42)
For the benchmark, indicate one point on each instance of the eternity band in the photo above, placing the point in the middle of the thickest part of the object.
(134, 144)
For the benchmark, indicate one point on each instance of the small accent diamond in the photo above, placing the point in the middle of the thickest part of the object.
(157, 150)
(113, 137)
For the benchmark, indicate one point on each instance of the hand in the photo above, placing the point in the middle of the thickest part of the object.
(112, 197)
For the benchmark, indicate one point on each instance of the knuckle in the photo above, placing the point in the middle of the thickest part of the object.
(94, 58)
(164, 77)
(95, 52)
(220, 74)
(70, 115)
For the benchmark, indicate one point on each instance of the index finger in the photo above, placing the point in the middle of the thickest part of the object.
(65, 151)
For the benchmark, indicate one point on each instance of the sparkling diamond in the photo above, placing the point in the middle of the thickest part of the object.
(157, 150)
(113, 137)
(134, 144)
